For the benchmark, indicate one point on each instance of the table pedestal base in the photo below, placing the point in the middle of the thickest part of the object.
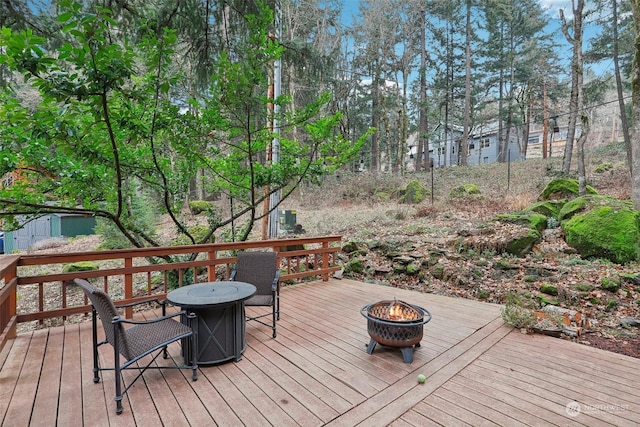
(220, 333)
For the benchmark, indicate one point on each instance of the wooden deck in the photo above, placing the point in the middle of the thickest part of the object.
(317, 372)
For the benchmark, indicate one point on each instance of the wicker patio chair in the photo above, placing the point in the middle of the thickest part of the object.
(260, 269)
(141, 339)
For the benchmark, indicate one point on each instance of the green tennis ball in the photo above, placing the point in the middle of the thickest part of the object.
(421, 379)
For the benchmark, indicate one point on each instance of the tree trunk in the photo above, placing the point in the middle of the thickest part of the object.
(464, 145)
(423, 143)
(545, 122)
(375, 122)
(575, 103)
(616, 67)
(582, 179)
(635, 95)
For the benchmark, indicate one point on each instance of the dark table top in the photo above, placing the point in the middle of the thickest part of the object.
(211, 293)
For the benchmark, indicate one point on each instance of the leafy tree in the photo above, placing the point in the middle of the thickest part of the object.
(108, 130)
(615, 42)
(574, 32)
(512, 26)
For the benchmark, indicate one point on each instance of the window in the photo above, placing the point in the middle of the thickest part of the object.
(486, 142)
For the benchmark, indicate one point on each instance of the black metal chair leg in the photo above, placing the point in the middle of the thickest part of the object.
(94, 332)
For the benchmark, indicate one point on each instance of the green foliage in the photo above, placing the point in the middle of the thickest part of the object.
(514, 314)
(483, 294)
(612, 305)
(109, 125)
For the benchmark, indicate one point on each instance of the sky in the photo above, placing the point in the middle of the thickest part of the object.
(350, 10)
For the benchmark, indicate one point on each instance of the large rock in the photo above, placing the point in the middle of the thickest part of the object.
(521, 243)
(602, 227)
(413, 193)
(563, 188)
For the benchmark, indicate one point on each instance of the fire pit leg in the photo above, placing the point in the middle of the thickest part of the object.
(372, 345)
(407, 354)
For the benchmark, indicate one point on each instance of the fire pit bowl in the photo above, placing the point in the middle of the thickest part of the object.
(395, 324)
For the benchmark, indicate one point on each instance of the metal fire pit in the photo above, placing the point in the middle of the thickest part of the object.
(395, 324)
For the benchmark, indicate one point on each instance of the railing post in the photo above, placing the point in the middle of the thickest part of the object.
(128, 287)
(8, 299)
(211, 269)
(325, 260)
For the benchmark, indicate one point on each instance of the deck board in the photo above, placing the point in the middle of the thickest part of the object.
(317, 372)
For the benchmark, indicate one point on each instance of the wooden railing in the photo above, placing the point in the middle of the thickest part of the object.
(35, 289)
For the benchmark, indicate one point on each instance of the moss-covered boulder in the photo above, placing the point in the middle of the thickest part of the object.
(549, 289)
(522, 239)
(563, 188)
(533, 220)
(602, 227)
(198, 206)
(520, 245)
(548, 208)
(603, 167)
(413, 193)
(572, 207)
(354, 266)
(413, 269)
(465, 190)
(80, 266)
(350, 247)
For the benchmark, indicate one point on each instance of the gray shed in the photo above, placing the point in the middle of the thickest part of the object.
(46, 227)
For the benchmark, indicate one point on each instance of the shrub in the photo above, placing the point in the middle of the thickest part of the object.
(516, 315)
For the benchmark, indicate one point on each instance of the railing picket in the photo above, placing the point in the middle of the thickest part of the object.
(218, 261)
(128, 286)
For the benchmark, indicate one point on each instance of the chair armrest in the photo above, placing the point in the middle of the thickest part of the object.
(145, 322)
(276, 281)
(148, 300)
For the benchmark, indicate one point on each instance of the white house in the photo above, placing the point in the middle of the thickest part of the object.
(444, 148)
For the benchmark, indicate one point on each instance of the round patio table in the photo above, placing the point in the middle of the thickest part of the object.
(219, 308)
